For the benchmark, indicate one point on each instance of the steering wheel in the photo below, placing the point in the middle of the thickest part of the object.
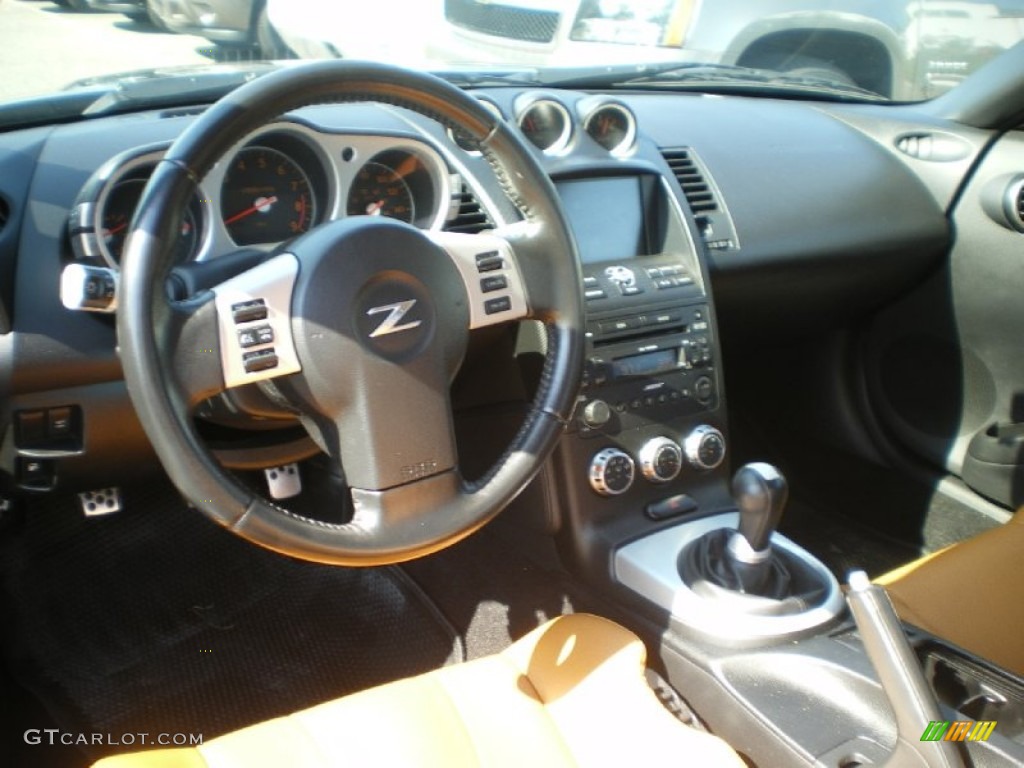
(361, 325)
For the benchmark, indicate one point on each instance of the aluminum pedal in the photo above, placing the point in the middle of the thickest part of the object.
(283, 482)
(102, 501)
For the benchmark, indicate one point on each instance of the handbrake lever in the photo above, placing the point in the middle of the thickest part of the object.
(902, 681)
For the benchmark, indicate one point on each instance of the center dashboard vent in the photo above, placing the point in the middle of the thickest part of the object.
(467, 215)
(705, 201)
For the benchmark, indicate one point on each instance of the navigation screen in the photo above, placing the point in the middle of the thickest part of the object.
(607, 217)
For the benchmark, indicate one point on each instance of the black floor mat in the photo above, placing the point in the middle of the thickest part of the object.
(156, 620)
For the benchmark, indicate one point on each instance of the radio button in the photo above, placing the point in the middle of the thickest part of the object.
(704, 389)
(630, 290)
(595, 293)
(590, 281)
(596, 414)
(615, 326)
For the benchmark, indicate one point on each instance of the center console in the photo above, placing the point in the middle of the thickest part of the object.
(648, 442)
(753, 629)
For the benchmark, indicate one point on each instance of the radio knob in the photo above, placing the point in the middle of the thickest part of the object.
(660, 459)
(596, 414)
(611, 472)
(704, 447)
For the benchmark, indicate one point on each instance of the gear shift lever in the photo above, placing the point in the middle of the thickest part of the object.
(742, 561)
(760, 492)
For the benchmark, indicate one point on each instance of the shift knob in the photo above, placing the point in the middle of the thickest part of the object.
(760, 492)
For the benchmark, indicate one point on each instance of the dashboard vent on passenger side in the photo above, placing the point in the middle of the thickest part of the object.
(936, 147)
(705, 201)
(1020, 206)
(468, 216)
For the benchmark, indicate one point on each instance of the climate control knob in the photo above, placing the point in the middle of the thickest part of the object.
(660, 459)
(704, 447)
(611, 472)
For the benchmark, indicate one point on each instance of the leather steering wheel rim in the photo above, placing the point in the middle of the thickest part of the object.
(169, 349)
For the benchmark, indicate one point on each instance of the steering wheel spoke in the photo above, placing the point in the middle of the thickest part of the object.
(189, 341)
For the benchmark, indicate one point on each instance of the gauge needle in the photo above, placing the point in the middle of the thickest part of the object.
(374, 209)
(114, 230)
(262, 204)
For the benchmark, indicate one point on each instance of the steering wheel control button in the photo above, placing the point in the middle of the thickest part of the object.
(660, 459)
(500, 304)
(249, 311)
(493, 283)
(261, 296)
(611, 472)
(673, 506)
(260, 360)
(489, 262)
(704, 448)
(254, 337)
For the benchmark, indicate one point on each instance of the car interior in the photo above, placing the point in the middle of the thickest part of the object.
(365, 416)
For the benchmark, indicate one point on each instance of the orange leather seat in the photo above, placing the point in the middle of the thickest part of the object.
(570, 693)
(970, 594)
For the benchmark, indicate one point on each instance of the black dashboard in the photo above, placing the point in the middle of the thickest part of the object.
(699, 219)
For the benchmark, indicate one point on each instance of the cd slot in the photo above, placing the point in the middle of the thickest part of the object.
(639, 333)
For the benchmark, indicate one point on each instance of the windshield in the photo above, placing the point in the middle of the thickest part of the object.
(899, 50)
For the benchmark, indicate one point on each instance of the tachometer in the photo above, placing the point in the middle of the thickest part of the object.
(266, 197)
(380, 190)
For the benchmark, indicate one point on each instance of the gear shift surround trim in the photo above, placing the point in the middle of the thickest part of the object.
(649, 566)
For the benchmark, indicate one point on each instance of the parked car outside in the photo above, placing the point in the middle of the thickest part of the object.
(231, 24)
(137, 10)
(324, 29)
(907, 50)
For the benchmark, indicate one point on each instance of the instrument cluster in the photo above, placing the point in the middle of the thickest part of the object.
(275, 186)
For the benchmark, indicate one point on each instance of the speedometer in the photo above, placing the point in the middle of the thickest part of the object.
(266, 197)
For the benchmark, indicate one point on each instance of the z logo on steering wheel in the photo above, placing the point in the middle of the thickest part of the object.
(396, 312)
